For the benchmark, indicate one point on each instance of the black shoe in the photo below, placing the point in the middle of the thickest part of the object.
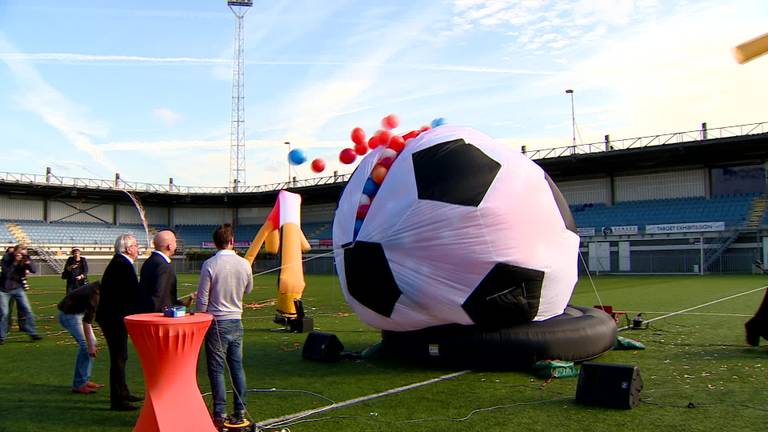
(134, 398)
(35, 337)
(218, 421)
(125, 406)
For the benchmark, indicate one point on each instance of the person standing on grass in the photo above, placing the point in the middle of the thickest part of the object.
(76, 313)
(224, 279)
(16, 266)
(118, 298)
(157, 282)
(75, 271)
(19, 315)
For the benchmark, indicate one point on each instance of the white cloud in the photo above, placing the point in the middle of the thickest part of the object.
(668, 75)
(167, 116)
(68, 118)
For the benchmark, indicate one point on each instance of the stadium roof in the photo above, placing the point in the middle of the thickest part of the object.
(693, 149)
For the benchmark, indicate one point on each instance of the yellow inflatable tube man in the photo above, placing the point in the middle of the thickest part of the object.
(285, 219)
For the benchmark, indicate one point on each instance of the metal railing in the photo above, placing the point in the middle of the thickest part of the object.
(651, 140)
(170, 188)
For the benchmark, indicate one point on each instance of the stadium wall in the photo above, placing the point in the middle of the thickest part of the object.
(156, 216)
(662, 185)
(21, 209)
(586, 191)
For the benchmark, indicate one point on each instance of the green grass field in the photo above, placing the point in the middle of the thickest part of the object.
(699, 373)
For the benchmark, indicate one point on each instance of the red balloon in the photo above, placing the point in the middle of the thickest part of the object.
(361, 149)
(347, 156)
(358, 136)
(396, 143)
(362, 210)
(386, 161)
(390, 122)
(373, 142)
(378, 174)
(411, 134)
(384, 136)
(318, 165)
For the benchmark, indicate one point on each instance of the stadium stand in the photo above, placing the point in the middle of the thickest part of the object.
(70, 233)
(731, 209)
(196, 235)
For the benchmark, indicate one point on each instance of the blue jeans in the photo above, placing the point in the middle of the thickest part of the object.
(224, 343)
(24, 308)
(73, 323)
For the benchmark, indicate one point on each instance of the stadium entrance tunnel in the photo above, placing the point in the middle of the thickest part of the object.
(579, 334)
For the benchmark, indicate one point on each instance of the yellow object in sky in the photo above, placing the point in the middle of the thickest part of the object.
(751, 49)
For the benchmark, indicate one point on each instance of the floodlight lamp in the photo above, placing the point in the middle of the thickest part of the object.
(244, 3)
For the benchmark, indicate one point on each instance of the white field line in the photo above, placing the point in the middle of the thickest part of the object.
(699, 306)
(294, 416)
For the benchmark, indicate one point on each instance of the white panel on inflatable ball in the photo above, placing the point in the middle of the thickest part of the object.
(439, 251)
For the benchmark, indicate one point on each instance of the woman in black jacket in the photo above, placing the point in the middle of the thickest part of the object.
(75, 271)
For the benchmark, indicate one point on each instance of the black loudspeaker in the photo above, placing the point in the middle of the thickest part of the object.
(609, 385)
(323, 347)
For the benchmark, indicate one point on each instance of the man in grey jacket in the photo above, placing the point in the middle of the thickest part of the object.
(224, 279)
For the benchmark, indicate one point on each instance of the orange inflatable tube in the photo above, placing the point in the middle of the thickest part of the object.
(281, 233)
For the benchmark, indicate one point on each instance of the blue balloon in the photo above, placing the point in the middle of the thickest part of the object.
(437, 122)
(370, 188)
(296, 157)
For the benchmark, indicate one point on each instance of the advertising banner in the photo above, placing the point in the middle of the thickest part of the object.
(685, 227)
(620, 230)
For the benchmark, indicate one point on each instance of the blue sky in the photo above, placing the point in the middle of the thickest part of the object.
(143, 88)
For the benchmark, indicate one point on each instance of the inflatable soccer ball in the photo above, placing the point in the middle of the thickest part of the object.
(459, 229)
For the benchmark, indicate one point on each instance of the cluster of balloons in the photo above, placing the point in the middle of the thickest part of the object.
(383, 137)
(392, 144)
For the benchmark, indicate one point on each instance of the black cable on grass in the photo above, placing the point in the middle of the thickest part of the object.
(275, 390)
(692, 405)
(375, 416)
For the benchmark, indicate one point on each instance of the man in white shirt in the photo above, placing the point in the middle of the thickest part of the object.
(224, 279)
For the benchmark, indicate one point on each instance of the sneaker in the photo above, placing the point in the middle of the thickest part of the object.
(93, 385)
(237, 419)
(83, 389)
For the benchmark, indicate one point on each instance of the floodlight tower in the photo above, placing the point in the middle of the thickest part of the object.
(237, 132)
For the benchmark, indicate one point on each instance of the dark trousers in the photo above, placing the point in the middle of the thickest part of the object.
(117, 343)
(20, 319)
(761, 316)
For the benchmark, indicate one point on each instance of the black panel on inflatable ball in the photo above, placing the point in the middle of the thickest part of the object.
(562, 205)
(454, 172)
(369, 278)
(506, 296)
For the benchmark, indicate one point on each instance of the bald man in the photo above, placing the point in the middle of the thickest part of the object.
(157, 282)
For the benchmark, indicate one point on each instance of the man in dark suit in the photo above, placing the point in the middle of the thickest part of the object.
(157, 284)
(119, 289)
